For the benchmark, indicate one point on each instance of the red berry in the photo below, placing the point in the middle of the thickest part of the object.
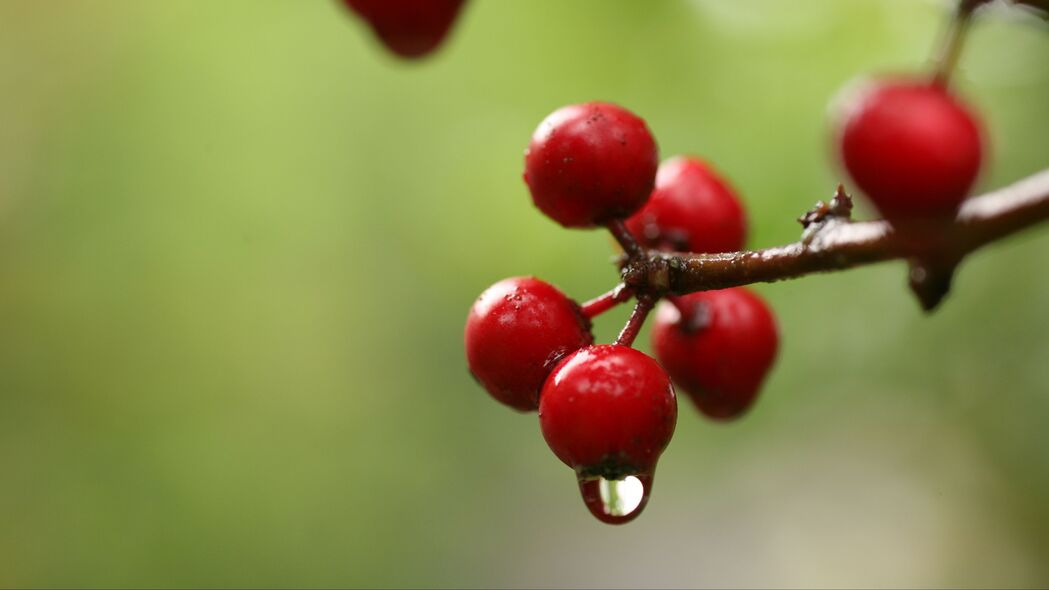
(591, 163)
(409, 28)
(692, 209)
(516, 332)
(720, 350)
(914, 149)
(608, 410)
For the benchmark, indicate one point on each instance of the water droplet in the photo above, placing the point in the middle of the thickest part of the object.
(616, 501)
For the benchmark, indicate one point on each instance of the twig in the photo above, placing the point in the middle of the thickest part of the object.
(832, 242)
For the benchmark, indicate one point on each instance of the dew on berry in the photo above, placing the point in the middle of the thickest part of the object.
(616, 501)
(608, 411)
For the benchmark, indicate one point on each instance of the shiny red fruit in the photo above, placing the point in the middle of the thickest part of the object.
(409, 28)
(692, 209)
(588, 164)
(912, 147)
(516, 332)
(720, 350)
(608, 411)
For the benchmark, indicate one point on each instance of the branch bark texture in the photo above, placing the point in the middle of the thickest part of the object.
(831, 241)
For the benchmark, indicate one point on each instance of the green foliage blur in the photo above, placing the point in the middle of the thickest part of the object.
(238, 241)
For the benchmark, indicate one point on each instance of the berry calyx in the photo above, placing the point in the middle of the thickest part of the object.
(912, 147)
(588, 164)
(516, 332)
(717, 346)
(408, 28)
(608, 411)
(692, 209)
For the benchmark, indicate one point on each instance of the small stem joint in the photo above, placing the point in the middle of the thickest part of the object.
(647, 275)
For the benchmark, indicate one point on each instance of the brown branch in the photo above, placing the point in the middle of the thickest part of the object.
(832, 242)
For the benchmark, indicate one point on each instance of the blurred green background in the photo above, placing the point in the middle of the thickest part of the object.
(238, 241)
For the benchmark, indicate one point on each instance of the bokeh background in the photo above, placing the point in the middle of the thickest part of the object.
(238, 241)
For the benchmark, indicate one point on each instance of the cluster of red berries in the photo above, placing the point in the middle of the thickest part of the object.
(608, 410)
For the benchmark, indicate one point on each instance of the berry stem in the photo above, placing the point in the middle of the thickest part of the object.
(625, 239)
(602, 303)
(637, 319)
(953, 42)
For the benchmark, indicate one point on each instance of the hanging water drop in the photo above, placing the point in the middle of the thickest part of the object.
(616, 501)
